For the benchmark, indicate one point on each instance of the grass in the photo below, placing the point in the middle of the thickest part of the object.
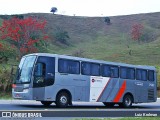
(5, 96)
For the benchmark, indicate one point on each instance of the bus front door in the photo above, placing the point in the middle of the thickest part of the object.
(44, 75)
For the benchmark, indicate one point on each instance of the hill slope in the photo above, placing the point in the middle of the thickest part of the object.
(95, 39)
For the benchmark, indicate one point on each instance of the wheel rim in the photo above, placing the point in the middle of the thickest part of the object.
(128, 101)
(63, 99)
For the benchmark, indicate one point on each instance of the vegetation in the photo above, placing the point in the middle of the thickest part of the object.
(90, 37)
(107, 20)
(53, 10)
(61, 36)
(23, 33)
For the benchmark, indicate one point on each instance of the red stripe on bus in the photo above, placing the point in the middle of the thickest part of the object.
(103, 90)
(120, 92)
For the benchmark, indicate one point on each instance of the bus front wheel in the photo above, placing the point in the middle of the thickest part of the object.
(62, 100)
(46, 103)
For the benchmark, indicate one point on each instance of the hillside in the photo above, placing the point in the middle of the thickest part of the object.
(97, 40)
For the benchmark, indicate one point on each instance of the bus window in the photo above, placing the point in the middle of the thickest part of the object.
(90, 69)
(114, 72)
(123, 72)
(141, 74)
(151, 75)
(68, 66)
(110, 71)
(95, 69)
(39, 75)
(131, 73)
(85, 68)
(40, 69)
(127, 73)
(106, 71)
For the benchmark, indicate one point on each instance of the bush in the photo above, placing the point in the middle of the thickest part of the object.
(61, 36)
(5, 80)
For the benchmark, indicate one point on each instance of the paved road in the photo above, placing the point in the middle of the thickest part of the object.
(80, 109)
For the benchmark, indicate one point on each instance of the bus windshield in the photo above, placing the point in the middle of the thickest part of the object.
(25, 68)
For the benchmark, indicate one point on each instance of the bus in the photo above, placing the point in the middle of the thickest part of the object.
(63, 79)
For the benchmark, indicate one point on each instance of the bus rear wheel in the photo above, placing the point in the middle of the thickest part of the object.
(127, 101)
(62, 100)
(46, 103)
(108, 104)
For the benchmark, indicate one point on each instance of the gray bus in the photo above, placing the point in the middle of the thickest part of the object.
(63, 79)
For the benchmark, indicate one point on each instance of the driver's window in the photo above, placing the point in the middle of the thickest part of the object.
(39, 73)
(40, 69)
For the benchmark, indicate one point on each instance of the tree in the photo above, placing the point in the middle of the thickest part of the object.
(23, 33)
(107, 20)
(137, 31)
(53, 10)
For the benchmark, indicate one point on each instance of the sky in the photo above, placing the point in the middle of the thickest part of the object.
(80, 7)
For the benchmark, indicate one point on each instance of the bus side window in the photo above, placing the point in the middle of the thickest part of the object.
(114, 72)
(106, 71)
(74, 67)
(85, 70)
(110, 71)
(127, 73)
(123, 72)
(68, 66)
(63, 66)
(95, 69)
(151, 75)
(141, 74)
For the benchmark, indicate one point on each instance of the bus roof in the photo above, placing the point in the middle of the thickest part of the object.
(93, 60)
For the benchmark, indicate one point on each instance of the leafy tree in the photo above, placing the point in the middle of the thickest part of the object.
(23, 33)
(53, 10)
(107, 20)
(137, 31)
(6, 51)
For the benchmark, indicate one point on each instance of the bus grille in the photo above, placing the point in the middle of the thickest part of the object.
(151, 94)
(18, 89)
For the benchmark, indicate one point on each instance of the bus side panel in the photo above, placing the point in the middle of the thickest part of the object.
(126, 86)
(77, 85)
(108, 93)
(116, 89)
(51, 91)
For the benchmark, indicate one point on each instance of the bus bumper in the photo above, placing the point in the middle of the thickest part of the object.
(26, 94)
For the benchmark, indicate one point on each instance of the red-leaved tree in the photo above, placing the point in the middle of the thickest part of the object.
(137, 31)
(23, 33)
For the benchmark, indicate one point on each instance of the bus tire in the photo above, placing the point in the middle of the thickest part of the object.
(108, 104)
(62, 100)
(127, 101)
(46, 103)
